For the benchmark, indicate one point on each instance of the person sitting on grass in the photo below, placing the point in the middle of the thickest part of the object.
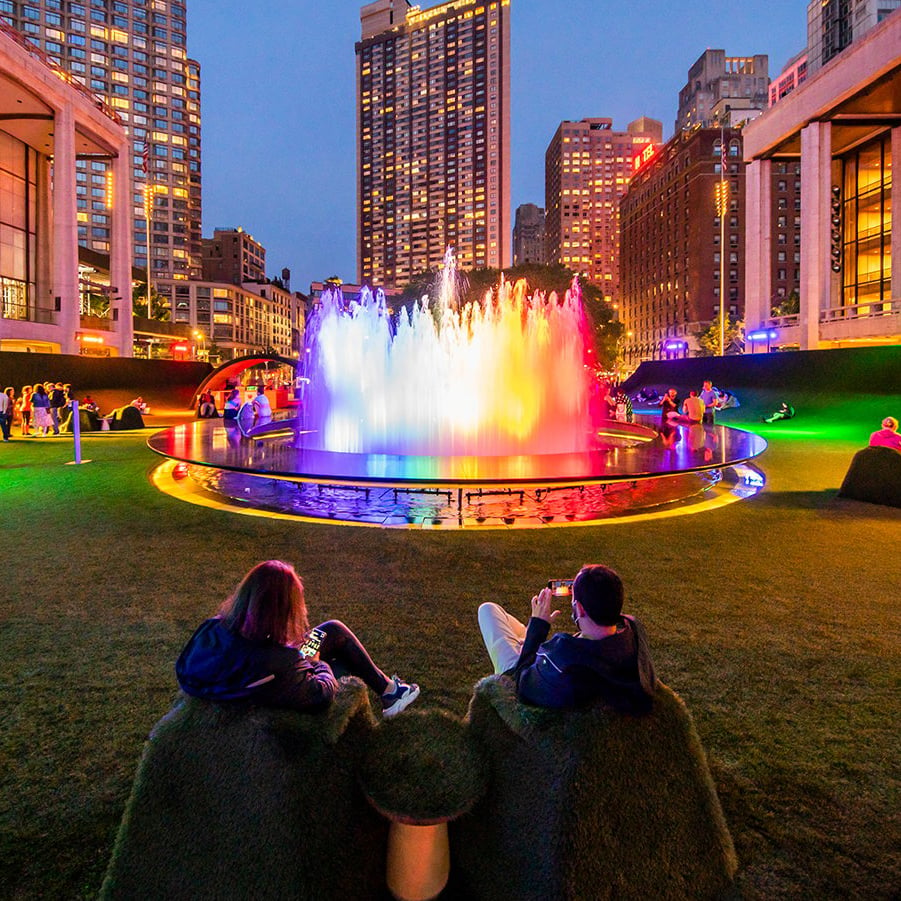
(785, 411)
(608, 660)
(888, 435)
(257, 650)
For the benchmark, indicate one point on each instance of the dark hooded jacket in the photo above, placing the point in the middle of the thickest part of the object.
(220, 666)
(571, 671)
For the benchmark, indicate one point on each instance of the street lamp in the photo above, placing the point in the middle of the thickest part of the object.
(202, 339)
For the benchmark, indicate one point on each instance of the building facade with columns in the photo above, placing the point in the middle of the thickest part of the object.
(843, 126)
(47, 123)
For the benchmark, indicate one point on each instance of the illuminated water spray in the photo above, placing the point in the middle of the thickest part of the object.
(506, 375)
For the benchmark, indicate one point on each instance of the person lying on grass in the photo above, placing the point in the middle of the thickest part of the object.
(608, 660)
(260, 649)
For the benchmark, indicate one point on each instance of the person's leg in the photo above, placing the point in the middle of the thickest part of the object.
(503, 635)
(344, 652)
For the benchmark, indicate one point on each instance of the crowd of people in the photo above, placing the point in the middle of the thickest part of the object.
(698, 408)
(44, 408)
(38, 409)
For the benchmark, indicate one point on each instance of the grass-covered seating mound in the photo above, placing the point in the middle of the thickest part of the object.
(125, 418)
(590, 804)
(237, 802)
(88, 421)
(874, 476)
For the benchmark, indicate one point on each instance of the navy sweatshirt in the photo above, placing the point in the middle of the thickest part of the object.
(221, 666)
(571, 671)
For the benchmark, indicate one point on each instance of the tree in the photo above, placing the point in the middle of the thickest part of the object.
(159, 307)
(709, 339)
(787, 306)
(606, 333)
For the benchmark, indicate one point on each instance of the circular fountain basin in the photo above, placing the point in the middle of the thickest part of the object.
(630, 470)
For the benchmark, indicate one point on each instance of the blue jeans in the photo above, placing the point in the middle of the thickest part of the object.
(5, 422)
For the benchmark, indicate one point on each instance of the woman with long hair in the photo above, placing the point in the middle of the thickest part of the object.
(23, 405)
(260, 648)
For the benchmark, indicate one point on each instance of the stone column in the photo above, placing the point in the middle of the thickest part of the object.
(65, 229)
(43, 299)
(896, 213)
(758, 245)
(121, 251)
(816, 272)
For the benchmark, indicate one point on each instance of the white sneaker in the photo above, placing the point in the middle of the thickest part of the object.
(403, 695)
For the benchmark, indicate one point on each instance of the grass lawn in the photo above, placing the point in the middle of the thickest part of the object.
(776, 619)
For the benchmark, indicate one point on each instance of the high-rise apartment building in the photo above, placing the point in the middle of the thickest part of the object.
(675, 250)
(673, 243)
(832, 25)
(232, 255)
(132, 53)
(715, 81)
(587, 170)
(528, 235)
(433, 137)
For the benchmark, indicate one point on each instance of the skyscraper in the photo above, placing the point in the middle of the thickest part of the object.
(716, 80)
(433, 137)
(587, 170)
(528, 235)
(833, 25)
(132, 53)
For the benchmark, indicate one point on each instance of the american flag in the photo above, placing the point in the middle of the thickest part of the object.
(145, 157)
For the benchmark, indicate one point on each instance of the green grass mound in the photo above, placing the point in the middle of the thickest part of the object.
(232, 801)
(874, 476)
(590, 804)
(423, 768)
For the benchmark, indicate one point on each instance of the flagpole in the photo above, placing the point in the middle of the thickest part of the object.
(148, 216)
(723, 206)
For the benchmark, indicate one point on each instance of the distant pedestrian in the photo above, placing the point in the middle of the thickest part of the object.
(624, 412)
(40, 406)
(669, 406)
(709, 396)
(57, 402)
(262, 409)
(6, 414)
(23, 405)
(693, 408)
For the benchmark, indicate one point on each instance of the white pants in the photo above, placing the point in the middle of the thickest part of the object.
(503, 635)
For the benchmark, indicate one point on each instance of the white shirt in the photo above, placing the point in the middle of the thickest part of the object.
(5, 403)
(261, 405)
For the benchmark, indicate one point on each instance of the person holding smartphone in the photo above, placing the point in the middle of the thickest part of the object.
(608, 660)
(260, 649)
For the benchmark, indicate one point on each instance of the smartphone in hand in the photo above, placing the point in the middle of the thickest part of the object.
(561, 588)
(313, 642)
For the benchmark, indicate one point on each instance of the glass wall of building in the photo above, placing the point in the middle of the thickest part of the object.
(18, 217)
(867, 225)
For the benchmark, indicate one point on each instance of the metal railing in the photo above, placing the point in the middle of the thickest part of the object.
(100, 102)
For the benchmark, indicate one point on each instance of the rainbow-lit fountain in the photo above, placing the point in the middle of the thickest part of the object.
(509, 375)
(486, 413)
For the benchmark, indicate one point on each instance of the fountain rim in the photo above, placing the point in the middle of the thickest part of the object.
(586, 478)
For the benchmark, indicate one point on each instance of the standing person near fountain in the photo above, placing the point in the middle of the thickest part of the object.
(258, 650)
(608, 660)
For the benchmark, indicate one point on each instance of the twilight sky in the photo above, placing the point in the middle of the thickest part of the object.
(278, 95)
